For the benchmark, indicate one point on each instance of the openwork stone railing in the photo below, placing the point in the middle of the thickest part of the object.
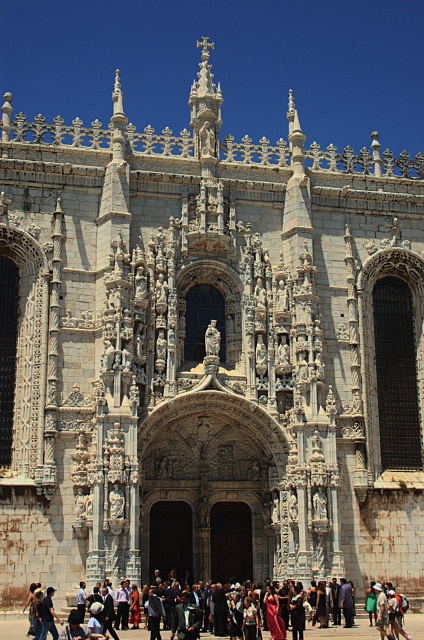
(58, 134)
(257, 154)
(365, 162)
(244, 153)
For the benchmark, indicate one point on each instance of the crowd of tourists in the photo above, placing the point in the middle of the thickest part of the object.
(241, 611)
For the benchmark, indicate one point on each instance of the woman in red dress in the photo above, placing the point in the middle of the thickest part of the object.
(135, 607)
(275, 622)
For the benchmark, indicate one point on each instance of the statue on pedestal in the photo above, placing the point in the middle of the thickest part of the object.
(212, 339)
(116, 502)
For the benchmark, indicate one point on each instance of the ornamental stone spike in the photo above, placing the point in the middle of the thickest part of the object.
(118, 96)
(291, 111)
(118, 120)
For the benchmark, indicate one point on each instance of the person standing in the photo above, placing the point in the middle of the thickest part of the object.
(48, 616)
(346, 602)
(236, 616)
(74, 628)
(156, 611)
(28, 604)
(275, 622)
(122, 600)
(81, 599)
(382, 611)
(321, 605)
(395, 616)
(135, 607)
(220, 610)
(187, 620)
(95, 624)
(371, 602)
(251, 623)
(297, 614)
(37, 612)
(335, 592)
(108, 613)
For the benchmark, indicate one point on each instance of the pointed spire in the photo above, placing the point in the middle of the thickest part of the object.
(118, 96)
(205, 85)
(296, 123)
(291, 110)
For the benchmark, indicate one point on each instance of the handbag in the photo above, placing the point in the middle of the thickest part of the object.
(259, 633)
(31, 631)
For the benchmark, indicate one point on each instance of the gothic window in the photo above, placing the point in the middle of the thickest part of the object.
(203, 303)
(9, 275)
(395, 354)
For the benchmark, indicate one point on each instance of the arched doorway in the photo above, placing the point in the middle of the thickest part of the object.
(231, 542)
(171, 539)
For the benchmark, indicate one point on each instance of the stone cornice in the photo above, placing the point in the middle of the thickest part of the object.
(347, 193)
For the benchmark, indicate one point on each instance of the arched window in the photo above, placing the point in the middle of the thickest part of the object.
(203, 303)
(395, 354)
(9, 278)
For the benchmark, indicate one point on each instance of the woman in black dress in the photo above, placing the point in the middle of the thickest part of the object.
(297, 614)
(322, 605)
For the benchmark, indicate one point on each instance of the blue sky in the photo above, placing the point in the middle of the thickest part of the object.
(354, 66)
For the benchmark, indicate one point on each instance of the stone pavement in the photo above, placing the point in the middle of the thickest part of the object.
(414, 624)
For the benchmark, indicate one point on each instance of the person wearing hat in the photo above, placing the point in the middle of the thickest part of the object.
(95, 624)
(48, 615)
(74, 628)
(382, 610)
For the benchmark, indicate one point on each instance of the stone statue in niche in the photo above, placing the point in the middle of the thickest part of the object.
(261, 352)
(140, 284)
(203, 513)
(161, 346)
(140, 340)
(126, 359)
(254, 471)
(116, 502)
(80, 505)
(230, 324)
(282, 297)
(275, 518)
(293, 508)
(319, 366)
(356, 403)
(89, 507)
(302, 373)
(260, 293)
(162, 470)
(207, 141)
(161, 290)
(320, 505)
(212, 339)
(108, 356)
(283, 353)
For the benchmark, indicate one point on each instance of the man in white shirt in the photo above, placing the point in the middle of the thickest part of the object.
(81, 599)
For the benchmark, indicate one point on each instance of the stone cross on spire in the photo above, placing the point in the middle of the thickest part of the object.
(205, 45)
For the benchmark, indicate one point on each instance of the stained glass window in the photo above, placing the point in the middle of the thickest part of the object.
(395, 351)
(9, 277)
(203, 303)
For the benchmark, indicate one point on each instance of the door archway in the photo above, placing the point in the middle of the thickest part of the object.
(231, 542)
(171, 538)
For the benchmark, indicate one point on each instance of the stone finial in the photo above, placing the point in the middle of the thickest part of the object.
(59, 204)
(296, 123)
(118, 96)
(204, 86)
(291, 106)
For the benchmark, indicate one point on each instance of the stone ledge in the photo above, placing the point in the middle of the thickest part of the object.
(400, 480)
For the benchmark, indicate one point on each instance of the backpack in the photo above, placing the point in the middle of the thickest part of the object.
(405, 603)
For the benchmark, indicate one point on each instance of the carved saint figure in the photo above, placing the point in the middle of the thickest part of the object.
(108, 356)
(116, 502)
(161, 289)
(162, 472)
(126, 359)
(356, 403)
(207, 141)
(254, 471)
(203, 513)
(261, 352)
(161, 346)
(276, 511)
(293, 509)
(140, 284)
(320, 505)
(80, 504)
(260, 293)
(212, 339)
(302, 371)
(89, 507)
(140, 340)
(283, 353)
(282, 297)
(319, 367)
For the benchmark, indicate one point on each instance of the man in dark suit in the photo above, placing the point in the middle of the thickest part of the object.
(220, 610)
(187, 620)
(108, 613)
(335, 592)
(170, 595)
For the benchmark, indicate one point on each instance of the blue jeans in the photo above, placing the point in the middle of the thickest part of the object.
(36, 625)
(46, 627)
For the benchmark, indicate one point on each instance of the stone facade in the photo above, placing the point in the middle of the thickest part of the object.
(110, 229)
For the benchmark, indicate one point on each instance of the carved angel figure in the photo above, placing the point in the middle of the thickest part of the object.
(108, 356)
(283, 353)
(320, 505)
(116, 502)
(207, 141)
(212, 339)
(276, 511)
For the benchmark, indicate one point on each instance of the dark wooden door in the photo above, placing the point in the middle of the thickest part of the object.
(231, 542)
(171, 539)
